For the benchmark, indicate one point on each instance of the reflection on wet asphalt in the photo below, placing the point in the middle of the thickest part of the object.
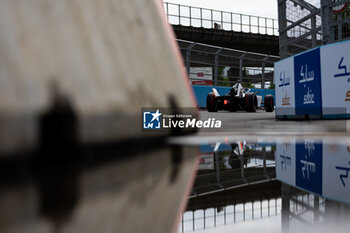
(123, 189)
(232, 182)
(286, 185)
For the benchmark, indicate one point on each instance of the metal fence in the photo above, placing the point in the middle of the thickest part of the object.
(300, 26)
(336, 20)
(224, 66)
(253, 167)
(301, 209)
(214, 19)
(305, 24)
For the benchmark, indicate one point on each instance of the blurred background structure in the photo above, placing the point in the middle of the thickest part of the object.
(220, 48)
(213, 19)
(218, 66)
(305, 24)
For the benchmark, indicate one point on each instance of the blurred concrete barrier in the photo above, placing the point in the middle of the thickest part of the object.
(100, 61)
(74, 78)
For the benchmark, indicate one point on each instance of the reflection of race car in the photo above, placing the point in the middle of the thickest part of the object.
(238, 99)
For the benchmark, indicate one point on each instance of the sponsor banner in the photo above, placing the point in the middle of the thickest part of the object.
(321, 83)
(336, 167)
(308, 168)
(285, 161)
(321, 168)
(202, 82)
(201, 75)
(284, 85)
(206, 162)
(335, 68)
(307, 74)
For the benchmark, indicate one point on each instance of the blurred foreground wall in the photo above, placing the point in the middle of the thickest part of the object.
(74, 76)
(102, 61)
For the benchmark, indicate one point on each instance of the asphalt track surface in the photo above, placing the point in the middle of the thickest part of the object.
(265, 123)
(262, 126)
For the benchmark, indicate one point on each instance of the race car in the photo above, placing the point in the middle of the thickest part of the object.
(238, 99)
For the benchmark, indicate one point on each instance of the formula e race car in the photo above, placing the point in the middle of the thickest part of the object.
(238, 99)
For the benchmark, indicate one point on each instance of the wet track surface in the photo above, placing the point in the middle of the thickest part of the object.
(288, 176)
(256, 174)
(263, 123)
(238, 186)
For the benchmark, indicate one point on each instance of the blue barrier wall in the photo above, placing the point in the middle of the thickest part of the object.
(201, 93)
(314, 84)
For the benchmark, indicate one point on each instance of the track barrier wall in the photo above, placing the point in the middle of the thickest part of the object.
(314, 84)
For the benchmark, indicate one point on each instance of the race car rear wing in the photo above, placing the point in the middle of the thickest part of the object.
(216, 93)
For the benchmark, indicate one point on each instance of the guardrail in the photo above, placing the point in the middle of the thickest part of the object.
(222, 20)
(220, 66)
(229, 214)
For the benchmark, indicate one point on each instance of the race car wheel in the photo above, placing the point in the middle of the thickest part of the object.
(268, 102)
(211, 103)
(251, 102)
